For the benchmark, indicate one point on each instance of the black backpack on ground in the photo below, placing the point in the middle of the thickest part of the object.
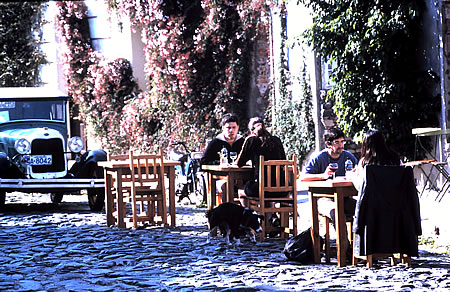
(300, 248)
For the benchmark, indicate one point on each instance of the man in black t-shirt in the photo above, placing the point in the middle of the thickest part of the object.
(228, 139)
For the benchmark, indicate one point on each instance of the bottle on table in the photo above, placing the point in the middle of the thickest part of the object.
(224, 157)
(348, 167)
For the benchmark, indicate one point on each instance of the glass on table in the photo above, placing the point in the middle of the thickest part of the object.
(233, 156)
(333, 167)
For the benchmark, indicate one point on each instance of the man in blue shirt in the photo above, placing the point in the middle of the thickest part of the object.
(319, 165)
(318, 168)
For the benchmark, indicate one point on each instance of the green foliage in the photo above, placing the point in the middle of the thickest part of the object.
(20, 55)
(292, 122)
(380, 80)
(291, 116)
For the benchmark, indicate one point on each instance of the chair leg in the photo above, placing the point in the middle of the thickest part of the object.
(152, 208)
(134, 212)
(262, 235)
(406, 260)
(354, 258)
(393, 260)
(349, 232)
(369, 261)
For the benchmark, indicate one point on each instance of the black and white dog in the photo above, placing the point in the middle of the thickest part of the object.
(233, 221)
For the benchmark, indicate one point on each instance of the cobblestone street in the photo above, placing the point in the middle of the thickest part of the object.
(68, 248)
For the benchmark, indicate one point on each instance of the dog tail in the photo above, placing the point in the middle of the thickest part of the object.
(208, 214)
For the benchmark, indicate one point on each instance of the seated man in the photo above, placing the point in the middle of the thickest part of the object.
(319, 168)
(228, 139)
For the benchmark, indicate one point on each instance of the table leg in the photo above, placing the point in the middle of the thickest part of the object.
(211, 199)
(444, 190)
(109, 201)
(120, 209)
(230, 188)
(341, 240)
(172, 195)
(315, 227)
(427, 179)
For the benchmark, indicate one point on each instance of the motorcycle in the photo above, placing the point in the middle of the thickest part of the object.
(190, 181)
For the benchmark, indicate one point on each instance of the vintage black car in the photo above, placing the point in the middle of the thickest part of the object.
(36, 148)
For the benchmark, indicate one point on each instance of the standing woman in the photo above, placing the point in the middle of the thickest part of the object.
(259, 142)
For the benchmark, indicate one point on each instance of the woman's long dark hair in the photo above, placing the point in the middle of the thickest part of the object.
(375, 151)
(262, 133)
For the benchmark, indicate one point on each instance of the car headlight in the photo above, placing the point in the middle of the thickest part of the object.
(22, 146)
(76, 144)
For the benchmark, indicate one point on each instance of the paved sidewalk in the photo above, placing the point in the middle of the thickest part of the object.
(69, 248)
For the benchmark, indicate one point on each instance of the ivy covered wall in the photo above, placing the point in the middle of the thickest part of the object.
(203, 59)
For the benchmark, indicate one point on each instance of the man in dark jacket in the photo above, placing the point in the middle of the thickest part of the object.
(228, 139)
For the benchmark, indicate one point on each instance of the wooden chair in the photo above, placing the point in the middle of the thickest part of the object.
(120, 187)
(387, 215)
(277, 176)
(147, 190)
(394, 257)
(142, 188)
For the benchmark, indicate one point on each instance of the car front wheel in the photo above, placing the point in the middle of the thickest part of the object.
(2, 199)
(96, 200)
(56, 198)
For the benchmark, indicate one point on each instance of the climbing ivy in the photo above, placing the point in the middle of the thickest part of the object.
(197, 61)
(103, 90)
(380, 80)
(20, 55)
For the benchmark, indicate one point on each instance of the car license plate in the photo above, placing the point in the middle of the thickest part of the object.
(40, 159)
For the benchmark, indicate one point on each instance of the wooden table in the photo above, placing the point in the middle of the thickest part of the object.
(117, 169)
(430, 132)
(232, 174)
(336, 189)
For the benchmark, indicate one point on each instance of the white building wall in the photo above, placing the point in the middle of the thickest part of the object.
(298, 19)
(108, 38)
(114, 38)
(51, 73)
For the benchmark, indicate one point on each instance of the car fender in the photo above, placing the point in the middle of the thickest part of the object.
(8, 169)
(86, 166)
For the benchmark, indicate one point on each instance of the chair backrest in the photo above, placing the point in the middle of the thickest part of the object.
(277, 176)
(147, 170)
(118, 157)
(125, 178)
(387, 214)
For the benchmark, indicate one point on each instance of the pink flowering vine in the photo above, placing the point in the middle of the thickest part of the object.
(197, 66)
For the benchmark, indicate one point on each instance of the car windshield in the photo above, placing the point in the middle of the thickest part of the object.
(18, 110)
